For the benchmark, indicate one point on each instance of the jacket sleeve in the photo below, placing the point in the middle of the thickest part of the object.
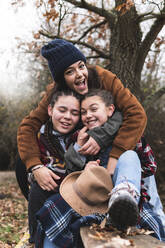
(105, 134)
(134, 116)
(27, 132)
(74, 161)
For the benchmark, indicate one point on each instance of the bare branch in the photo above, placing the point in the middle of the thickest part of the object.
(142, 16)
(109, 15)
(150, 16)
(93, 57)
(102, 4)
(153, 98)
(101, 54)
(60, 20)
(148, 41)
(46, 34)
(90, 28)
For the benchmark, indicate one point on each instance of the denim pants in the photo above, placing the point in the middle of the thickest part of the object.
(48, 243)
(128, 169)
(155, 201)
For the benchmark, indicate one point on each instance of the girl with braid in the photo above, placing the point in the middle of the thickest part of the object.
(53, 138)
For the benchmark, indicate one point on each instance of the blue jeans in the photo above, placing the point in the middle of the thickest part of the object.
(155, 201)
(48, 243)
(128, 169)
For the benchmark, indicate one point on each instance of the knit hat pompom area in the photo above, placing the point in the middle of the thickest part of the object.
(60, 54)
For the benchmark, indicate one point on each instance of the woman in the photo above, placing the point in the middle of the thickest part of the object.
(68, 68)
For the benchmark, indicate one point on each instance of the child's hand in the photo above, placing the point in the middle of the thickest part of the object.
(45, 178)
(82, 136)
(92, 164)
(90, 147)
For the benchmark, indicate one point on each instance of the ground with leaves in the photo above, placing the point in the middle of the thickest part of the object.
(13, 211)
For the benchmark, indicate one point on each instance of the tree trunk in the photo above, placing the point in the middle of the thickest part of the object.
(124, 48)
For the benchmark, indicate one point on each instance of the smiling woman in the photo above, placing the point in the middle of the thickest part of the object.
(76, 77)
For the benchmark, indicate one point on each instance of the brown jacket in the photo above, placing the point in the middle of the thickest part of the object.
(134, 121)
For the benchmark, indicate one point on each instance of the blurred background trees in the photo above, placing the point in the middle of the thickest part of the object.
(123, 36)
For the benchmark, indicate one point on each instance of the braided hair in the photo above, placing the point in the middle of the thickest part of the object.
(52, 142)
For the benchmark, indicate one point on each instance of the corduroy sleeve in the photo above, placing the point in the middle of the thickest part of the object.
(105, 134)
(134, 116)
(27, 132)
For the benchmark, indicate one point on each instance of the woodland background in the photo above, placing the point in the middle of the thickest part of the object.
(124, 36)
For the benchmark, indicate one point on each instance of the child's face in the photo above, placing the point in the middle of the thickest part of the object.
(65, 114)
(94, 112)
(76, 77)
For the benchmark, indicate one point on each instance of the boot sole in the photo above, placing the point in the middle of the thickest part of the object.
(123, 213)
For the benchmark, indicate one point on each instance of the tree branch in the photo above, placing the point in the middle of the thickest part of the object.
(90, 28)
(153, 98)
(109, 15)
(99, 52)
(148, 41)
(150, 16)
(102, 54)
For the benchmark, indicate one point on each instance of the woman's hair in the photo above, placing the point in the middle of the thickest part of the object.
(93, 80)
(56, 94)
(105, 96)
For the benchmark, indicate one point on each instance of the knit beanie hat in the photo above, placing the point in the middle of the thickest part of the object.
(60, 54)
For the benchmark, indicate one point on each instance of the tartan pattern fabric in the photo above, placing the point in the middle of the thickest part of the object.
(150, 221)
(148, 165)
(146, 157)
(62, 224)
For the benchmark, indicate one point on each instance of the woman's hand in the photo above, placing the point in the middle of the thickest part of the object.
(45, 178)
(112, 162)
(92, 164)
(90, 147)
(82, 136)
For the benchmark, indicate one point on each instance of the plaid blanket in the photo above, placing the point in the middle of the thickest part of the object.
(61, 223)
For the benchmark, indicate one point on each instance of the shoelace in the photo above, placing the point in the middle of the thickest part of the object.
(127, 187)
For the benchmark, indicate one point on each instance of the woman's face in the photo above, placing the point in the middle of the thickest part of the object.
(76, 77)
(94, 112)
(65, 114)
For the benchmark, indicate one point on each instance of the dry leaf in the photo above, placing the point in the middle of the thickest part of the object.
(102, 225)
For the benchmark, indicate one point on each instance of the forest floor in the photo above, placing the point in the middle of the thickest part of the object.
(13, 210)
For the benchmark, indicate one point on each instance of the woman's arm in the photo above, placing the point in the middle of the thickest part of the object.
(134, 116)
(73, 159)
(27, 132)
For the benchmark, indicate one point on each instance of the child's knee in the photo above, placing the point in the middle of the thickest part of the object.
(130, 154)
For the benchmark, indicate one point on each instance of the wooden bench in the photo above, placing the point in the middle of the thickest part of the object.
(92, 239)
